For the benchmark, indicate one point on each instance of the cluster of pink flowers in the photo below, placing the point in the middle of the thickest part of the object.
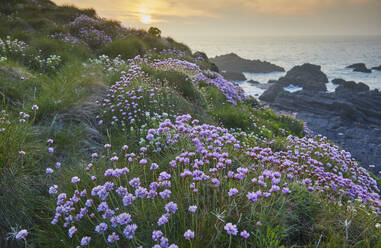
(232, 92)
(89, 31)
(203, 162)
(68, 38)
(4, 121)
(15, 47)
(208, 163)
(127, 105)
(173, 53)
(19, 50)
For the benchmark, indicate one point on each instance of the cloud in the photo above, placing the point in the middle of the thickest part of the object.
(296, 7)
(186, 10)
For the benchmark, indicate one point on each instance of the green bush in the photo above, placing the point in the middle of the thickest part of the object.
(40, 23)
(155, 43)
(48, 46)
(67, 51)
(68, 87)
(64, 14)
(16, 84)
(178, 45)
(127, 48)
(303, 210)
(233, 117)
(179, 81)
(155, 32)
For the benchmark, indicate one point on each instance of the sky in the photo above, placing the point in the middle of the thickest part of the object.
(179, 18)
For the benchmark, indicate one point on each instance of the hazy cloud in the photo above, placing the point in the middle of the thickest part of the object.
(269, 16)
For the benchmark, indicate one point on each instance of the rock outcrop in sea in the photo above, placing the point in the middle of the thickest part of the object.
(359, 67)
(234, 76)
(233, 63)
(308, 76)
(350, 116)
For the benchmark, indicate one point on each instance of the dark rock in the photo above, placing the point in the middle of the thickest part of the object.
(338, 81)
(202, 56)
(377, 68)
(345, 86)
(263, 86)
(235, 76)
(308, 76)
(213, 67)
(359, 67)
(259, 85)
(252, 82)
(351, 116)
(271, 93)
(233, 63)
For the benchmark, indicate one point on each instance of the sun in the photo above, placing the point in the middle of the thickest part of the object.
(146, 19)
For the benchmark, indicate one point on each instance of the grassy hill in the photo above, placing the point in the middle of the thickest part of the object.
(116, 137)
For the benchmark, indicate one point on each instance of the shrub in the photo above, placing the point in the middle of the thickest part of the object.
(179, 166)
(64, 89)
(155, 32)
(16, 84)
(67, 50)
(178, 45)
(233, 117)
(48, 46)
(180, 82)
(90, 30)
(303, 211)
(127, 48)
(40, 23)
(155, 43)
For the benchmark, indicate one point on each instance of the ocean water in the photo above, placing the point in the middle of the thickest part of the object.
(333, 53)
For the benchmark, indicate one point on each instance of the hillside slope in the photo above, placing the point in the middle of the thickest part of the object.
(121, 138)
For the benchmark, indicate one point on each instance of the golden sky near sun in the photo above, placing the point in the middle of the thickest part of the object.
(264, 16)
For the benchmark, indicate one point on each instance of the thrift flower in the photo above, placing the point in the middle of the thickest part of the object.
(71, 231)
(231, 229)
(192, 209)
(156, 235)
(129, 231)
(189, 234)
(232, 192)
(85, 241)
(245, 234)
(53, 189)
(101, 228)
(112, 238)
(22, 234)
(171, 207)
(75, 179)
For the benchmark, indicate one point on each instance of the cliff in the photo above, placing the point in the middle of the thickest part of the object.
(119, 137)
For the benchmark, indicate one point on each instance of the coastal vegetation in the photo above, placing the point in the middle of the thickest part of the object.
(118, 137)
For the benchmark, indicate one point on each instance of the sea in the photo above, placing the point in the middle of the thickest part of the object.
(332, 53)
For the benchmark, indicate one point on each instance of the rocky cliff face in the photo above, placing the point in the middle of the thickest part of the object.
(350, 116)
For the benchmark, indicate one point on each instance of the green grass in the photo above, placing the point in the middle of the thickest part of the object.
(126, 48)
(67, 113)
(65, 89)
